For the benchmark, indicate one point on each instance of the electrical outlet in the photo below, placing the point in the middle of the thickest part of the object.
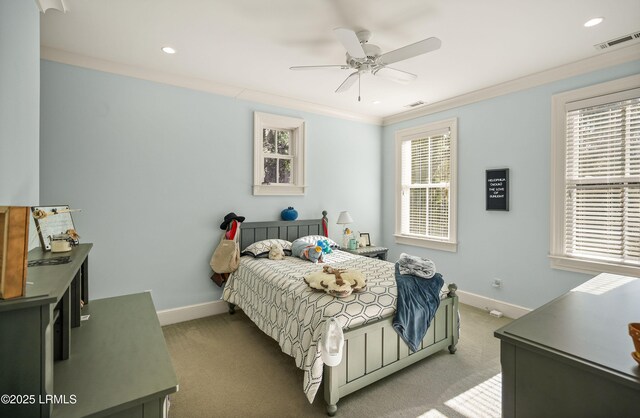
(496, 283)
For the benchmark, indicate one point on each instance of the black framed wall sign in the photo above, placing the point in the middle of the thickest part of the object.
(497, 187)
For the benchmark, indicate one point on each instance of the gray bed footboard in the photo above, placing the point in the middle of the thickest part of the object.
(374, 351)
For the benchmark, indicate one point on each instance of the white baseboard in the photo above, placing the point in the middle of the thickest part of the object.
(187, 313)
(485, 303)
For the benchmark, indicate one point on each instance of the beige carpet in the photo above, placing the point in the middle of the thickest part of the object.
(227, 367)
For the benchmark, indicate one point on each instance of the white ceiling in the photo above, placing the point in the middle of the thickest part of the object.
(250, 44)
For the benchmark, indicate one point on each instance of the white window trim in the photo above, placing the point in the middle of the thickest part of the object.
(298, 127)
(559, 104)
(451, 244)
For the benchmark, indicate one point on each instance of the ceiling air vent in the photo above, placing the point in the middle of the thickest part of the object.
(627, 38)
(415, 104)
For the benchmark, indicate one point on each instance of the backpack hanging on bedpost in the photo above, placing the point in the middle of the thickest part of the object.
(226, 257)
(225, 260)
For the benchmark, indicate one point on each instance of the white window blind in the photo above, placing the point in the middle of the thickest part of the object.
(425, 184)
(602, 181)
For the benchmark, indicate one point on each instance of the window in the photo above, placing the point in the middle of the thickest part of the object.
(596, 179)
(426, 186)
(278, 155)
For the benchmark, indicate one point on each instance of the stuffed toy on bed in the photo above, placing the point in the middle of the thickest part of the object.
(306, 251)
(276, 252)
(337, 282)
(324, 246)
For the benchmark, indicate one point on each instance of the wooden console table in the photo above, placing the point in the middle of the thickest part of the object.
(572, 356)
(68, 284)
(119, 363)
(115, 363)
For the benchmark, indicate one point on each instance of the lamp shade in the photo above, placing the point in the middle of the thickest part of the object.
(344, 218)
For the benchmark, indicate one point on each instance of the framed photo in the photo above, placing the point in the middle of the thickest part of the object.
(50, 221)
(365, 240)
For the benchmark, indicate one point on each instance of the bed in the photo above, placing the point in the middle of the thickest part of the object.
(274, 296)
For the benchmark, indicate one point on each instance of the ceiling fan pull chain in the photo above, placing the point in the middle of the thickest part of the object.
(358, 86)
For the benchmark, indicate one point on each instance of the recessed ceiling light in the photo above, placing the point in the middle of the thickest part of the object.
(376, 102)
(168, 50)
(592, 22)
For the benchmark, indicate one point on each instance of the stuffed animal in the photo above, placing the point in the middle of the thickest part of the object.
(337, 282)
(306, 251)
(324, 244)
(276, 252)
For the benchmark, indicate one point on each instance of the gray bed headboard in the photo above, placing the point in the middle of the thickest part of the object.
(251, 232)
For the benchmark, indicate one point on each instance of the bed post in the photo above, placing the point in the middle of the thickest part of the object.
(455, 323)
(331, 389)
(325, 224)
(452, 290)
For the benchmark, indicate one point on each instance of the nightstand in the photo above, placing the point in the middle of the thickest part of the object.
(373, 252)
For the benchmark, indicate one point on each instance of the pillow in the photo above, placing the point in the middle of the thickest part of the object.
(261, 248)
(313, 239)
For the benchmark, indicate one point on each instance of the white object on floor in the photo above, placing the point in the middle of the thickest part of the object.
(496, 313)
(331, 343)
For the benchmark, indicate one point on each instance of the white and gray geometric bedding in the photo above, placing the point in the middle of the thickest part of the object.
(274, 296)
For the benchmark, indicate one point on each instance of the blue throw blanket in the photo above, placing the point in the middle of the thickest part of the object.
(417, 303)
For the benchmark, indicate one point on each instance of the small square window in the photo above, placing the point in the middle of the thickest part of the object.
(278, 155)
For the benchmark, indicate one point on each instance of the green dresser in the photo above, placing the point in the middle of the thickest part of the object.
(52, 364)
(572, 356)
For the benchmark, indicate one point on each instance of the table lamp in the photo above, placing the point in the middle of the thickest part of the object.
(343, 219)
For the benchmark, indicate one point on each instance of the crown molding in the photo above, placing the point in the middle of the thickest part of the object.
(597, 62)
(193, 83)
(58, 5)
(281, 101)
(600, 61)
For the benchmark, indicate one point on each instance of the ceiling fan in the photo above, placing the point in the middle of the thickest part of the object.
(364, 57)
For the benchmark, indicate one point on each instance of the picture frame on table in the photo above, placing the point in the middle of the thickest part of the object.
(365, 239)
(54, 220)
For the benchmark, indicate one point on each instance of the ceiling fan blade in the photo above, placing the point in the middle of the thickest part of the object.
(348, 82)
(318, 67)
(350, 42)
(410, 51)
(396, 75)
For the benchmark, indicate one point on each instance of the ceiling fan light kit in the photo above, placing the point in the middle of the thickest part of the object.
(364, 57)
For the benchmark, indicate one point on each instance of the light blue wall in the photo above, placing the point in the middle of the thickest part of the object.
(511, 131)
(19, 102)
(155, 168)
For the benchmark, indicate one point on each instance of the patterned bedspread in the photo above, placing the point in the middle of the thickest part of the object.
(273, 294)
